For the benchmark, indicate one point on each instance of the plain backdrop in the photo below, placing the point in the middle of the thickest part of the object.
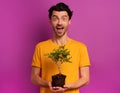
(24, 23)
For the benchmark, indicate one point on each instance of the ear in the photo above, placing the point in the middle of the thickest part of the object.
(69, 22)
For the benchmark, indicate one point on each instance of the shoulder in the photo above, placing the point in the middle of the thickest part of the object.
(43, 43)
(78, 43)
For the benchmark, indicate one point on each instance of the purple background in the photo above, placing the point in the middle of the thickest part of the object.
(23, 23)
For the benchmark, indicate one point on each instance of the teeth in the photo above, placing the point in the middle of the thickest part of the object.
(59, 28)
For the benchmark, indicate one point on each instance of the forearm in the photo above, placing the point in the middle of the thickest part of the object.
(38, 81)
(78, 84)
(81, 82)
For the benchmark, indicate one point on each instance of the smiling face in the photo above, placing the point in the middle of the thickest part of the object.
(60, 22)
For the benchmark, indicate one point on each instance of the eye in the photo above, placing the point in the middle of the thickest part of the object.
(54, 18)
(64, 18)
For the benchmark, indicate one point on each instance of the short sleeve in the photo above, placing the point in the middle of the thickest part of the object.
(84, 57)
(36, 57)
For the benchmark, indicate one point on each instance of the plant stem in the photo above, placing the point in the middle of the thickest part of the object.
(59, 67)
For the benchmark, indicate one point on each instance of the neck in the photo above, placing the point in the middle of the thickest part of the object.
(60, 40)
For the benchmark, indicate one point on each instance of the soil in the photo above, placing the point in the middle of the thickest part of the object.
(58, 80)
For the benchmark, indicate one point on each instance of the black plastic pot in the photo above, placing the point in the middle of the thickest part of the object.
(58, 80)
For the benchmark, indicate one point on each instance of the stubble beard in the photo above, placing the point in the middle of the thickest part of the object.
(60, 35)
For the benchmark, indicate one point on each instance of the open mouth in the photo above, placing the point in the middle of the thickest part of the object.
(59, 28)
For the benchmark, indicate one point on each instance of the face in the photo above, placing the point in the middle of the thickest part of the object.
(60, 22)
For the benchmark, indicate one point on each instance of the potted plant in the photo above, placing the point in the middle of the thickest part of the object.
(59, 56)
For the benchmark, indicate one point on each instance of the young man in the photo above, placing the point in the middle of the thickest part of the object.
(77, 72)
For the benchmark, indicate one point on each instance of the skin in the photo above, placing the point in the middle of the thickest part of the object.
(60, 23)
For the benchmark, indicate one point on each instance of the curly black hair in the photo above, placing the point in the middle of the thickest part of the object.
(60, 7)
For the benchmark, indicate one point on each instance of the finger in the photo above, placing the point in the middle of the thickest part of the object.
(49, 84)
(55, 88)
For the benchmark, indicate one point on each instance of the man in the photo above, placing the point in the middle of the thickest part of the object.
(77, 72)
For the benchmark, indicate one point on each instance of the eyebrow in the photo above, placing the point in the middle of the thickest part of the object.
(54, 16)
(64, 16)
(57, 16)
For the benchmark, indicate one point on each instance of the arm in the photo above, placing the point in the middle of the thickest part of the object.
(84, 79)
(36, 79)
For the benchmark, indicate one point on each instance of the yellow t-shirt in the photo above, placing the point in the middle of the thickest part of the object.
(78, 52)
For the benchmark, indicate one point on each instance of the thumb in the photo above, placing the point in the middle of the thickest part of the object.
(49, 84)
(65, 86)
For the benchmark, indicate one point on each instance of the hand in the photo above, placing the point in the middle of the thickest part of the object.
(56, 89)
(67, 87)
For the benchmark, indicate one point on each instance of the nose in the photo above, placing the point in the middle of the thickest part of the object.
(59, 22)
